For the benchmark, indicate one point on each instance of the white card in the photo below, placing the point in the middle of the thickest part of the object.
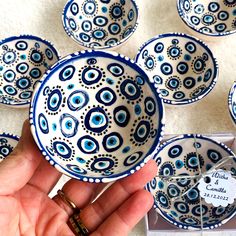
(218, 188)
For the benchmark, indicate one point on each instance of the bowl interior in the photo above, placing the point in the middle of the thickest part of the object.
(182, 67)
(232, 102)
(7, 143)
(95, 114)
(100, 24)
(23, 61)
(212, 18)
(178, 157)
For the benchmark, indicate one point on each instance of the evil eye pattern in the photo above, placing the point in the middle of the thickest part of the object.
(91, 76)
(69, 125)
(88, 145)
(5, 150)
(162, 198)
(112, 142)
(210, 18)
(67, 73)
(43, 124)
(130, 90)
(150, 106)
(214, 155)
(23, 60)
(77, 100)
(106, 96)
(54, 100)
(100, 25)
(76, 169)
(116, 69)
(96, 120)
(121, 116)
(177, 64)
(142, 131)
(182, 195)
(132, 159)
(175, 151)
(62, 149)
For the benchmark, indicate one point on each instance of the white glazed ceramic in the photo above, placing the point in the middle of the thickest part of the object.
(232, 103)
(209, 18)
(96, 117)
(182, 67)
(7, 143)
(100, 24)
(182, 156)
(23, 61)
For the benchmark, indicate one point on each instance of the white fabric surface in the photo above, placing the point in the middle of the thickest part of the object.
(43, 18)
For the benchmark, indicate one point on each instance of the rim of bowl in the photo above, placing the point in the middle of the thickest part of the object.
(164, 215)
(30, 37)
(202, 44)
(9, 135)
(68, 4)
(230, 102)
(120, 58)
(181, 14)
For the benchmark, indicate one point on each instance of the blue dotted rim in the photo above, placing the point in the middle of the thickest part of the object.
(202, 44)
(10, 136)
(67, 28)
(163, 214)
(69, 59)
(28, 37)
(230, 102)
(181, 14)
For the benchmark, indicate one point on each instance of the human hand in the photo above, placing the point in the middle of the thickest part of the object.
(25, 208)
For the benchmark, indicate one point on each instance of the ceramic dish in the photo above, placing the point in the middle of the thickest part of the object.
(95, 114)
(232, 102)
(181, 156)
(100, 24)
(210, 18)
(7, 143)
(182, 67)
(23, 61)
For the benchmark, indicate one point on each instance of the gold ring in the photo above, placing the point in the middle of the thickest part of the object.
(77, 226)
(66, 200)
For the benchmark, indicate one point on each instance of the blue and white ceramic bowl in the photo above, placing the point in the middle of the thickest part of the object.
(23, 61)
(209, 18)
(182, 67)
(96, 117)
(7, 143)
(178, 157)
(100, 24)
(232, 102)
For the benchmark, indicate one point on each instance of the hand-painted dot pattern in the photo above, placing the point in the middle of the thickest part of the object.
(87, 117)
(213, 18)
(178, 157)
(23, 61)
(100, 24)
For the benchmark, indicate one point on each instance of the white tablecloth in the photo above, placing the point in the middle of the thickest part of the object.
(43, 18)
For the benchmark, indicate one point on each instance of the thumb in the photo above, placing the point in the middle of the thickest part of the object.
(18, 168)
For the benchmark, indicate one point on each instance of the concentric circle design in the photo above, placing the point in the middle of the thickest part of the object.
(7, 143)
(182, 67)
(100, 24)
(213, 18)
(90, 117)
(23, 61)
(178, 200)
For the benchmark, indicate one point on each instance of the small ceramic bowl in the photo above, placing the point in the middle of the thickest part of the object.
(181, 67)
(23, 61)
(96, 117)
(209, 18)
(178, 157)
(232, 102)
(100, 24)
(7, 143)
